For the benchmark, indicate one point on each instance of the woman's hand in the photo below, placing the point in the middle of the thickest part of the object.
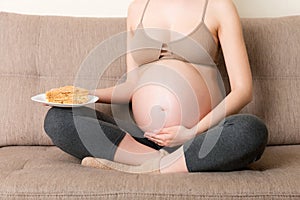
(172, 136)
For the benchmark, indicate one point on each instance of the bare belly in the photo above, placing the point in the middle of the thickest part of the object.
(171, 92)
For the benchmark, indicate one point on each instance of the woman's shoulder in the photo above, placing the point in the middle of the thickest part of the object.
(134, 12)
(222, 11)
(222, 7)
(136, 6)
(221, 2)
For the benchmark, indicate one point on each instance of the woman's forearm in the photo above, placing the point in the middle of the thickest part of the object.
(231, 104)
(118, 94)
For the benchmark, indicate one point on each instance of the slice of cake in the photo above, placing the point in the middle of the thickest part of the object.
(67, 95)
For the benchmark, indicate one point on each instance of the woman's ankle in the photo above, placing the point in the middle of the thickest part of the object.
(174, 162)
(132, 152)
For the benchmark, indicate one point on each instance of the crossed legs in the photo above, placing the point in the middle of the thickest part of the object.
(77, 132)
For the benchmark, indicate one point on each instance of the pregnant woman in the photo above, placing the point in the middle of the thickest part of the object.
(183, 122)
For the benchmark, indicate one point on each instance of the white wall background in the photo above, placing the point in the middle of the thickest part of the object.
(267, 8)
(118, 8)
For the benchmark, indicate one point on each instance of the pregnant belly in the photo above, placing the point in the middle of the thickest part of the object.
(170, 93)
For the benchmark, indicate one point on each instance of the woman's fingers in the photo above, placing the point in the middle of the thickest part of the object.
(151, 138)
(155, 140)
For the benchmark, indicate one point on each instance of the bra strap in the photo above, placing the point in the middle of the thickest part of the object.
(144, 11)
(204, 10)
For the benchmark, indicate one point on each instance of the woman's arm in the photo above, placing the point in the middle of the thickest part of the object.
(122, 93)
(236, 59)
(107, 95)
(237, 65)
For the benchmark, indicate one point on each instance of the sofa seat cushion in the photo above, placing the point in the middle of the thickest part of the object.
(46, 172)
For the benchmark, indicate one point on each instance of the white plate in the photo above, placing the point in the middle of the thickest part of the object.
(41, 98)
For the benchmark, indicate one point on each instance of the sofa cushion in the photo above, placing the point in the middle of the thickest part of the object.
(49, 173)
(41, 52)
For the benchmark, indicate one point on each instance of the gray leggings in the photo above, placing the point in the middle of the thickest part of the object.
(235, 142)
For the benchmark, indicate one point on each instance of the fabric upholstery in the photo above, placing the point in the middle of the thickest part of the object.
(49, 173)
(41, 52)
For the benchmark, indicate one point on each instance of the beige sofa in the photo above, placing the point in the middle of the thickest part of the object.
(41, 52)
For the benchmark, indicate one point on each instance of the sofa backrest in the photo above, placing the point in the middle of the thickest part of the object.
(38, 53)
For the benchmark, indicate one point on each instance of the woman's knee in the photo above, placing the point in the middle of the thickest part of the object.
(239, 140)
(249, 124)
(59, 125)
(251, 132)
(56, 119)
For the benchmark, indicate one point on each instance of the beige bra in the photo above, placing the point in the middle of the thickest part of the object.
(198, 47)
